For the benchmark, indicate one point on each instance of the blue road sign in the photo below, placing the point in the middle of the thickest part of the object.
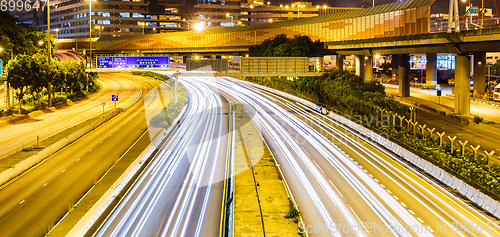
(114, 97)
(1, 68)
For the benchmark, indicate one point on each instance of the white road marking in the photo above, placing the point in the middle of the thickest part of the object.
(402, 204)
(78, 159)
(336, 189)
(45, 184)
(395, 197)
(357, 217)
(476, 141)
(381, 185)
(442, 127)
(376, 180)
(421, 221)
(430, 229)
(22, 202)
(75, 118)
(90, 150)
(306, 152)
(63, 171)
(389, 191)
(411, 212)
(318, 167)
(18, 142)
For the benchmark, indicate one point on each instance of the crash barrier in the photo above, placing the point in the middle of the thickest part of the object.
(476, 196)
(41, 155)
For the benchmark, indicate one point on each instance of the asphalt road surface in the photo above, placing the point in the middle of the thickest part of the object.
(24, 133)
(30, 205)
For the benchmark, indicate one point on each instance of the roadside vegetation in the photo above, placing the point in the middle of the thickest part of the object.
(29, 73)
(282, 46)
(168, 114)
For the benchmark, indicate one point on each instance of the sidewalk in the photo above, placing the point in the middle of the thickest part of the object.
(441, 117)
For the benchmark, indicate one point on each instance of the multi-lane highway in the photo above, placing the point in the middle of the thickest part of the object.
(180, 192)
(345, 185)
(24, 133)
(33, 203)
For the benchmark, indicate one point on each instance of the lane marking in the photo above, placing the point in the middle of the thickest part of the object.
(318, 167)
(357, 217)
(17, 142)
(421, 221)
(22, 202)
(78, 159)
(336, 188)
(45, 184)
(395, 197)
(376, 180)
(75, 118)
(90, 150)
(411, 212)
(389, 191)
(402, 204)
(63, 171)
(381, 185)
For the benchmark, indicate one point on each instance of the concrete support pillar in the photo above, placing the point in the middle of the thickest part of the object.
(431, 68)
(360, 66)
(339, 62)
(319, 63)
(369, 68)
(404, 76)
(395, 63)
(462, 85)
(479, 75)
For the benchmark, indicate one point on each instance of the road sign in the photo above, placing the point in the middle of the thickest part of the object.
(439, 93)
(103, 103)
(411, 108)
(114, 97)
(473, 10)
(1, 67)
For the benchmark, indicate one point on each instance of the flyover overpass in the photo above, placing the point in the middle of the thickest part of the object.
(399, 28)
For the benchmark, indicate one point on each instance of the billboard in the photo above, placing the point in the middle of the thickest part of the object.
(133, 62)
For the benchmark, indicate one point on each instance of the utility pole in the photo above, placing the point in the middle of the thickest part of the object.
(49, 52)
(453, 21)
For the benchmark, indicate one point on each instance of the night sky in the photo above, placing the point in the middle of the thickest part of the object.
(440, 6)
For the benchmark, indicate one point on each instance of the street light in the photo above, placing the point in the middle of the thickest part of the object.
(198, 26)
(231, 18)
(57, 31)
(90, 31)
(40, 42)
(99, 28)
(142, 26)
(11, 52)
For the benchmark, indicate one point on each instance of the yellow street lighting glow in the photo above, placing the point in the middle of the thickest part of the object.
(40, 42)
(324, 6)
(154, 28)
(377, 56)
(197, 57)
(227, 14)
(246, 55)
(239, 22)
(286, 7)
(1, 49)
(270, 20)
(281, 5)
(198, 26)
(268, 3)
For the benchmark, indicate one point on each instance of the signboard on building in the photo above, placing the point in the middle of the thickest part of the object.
(133, 62)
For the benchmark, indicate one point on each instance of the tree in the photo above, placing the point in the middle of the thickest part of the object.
(23, 73)
(281, 46)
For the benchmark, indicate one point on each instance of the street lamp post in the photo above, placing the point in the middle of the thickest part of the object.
(231, 19)
(142, 23)
(90, 31)
(99, 28)
(49, 53)
(57, 35)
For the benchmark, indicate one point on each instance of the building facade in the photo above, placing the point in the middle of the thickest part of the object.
(77, 19)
